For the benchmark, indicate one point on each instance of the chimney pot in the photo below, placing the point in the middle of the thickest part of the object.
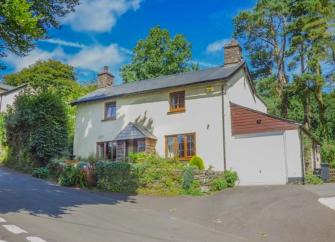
(105, 78)
(232, 53)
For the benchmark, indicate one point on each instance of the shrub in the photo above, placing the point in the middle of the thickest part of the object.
(231, 177)
(194, 189)
(36, 129)
(312, 179)
(328, 153)
(188, 177)
(116, 177)
(72, 176)
(197, 162)
(56, 167)
(42, 172)
(218, 184)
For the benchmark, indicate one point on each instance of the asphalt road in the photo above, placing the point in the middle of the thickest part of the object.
(47, 212)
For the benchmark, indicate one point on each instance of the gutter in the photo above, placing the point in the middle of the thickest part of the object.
(223, 128)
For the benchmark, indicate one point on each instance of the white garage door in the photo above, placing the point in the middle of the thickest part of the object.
(260, 160)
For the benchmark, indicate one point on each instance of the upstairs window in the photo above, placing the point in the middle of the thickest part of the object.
(110, 111)
(177, 101)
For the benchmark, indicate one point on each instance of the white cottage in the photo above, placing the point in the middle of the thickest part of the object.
(213, 113)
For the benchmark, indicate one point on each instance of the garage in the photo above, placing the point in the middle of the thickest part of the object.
(263, 149)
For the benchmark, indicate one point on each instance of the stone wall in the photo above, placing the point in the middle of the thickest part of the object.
(206, 176)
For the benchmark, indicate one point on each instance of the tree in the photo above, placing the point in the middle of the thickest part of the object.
(36, 129)
(25, 21)
(56, 77)
(312, 44)
(158, 54)
(263, 31)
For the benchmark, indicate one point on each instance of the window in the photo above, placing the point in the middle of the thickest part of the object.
(106, 150)
(110, 111)
(181, 146)
(177, 101)
(140, 145)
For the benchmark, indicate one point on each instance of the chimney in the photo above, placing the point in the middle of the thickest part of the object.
(105, 78)
(232, 53)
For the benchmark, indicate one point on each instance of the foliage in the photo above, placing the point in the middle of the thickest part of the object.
(328, 153)
(291, 48)
(116, 177)
(313, 179)
(218, 184)
(198, 162)
(23, 22)
(36, 129)
(72, 176)
(231, 177)
(157, 55)
(56, 167)
(188, 177)
(194, 189)
(41, 172)
(56, 77)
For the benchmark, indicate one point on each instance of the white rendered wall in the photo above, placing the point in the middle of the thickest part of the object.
(202, 116)
(293, 154)
(8, 99)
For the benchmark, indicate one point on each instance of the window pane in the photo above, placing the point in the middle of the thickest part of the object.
(140, 145)
(177, 100)
(114, 150)
(190, 145)
(109, 151)
(100, 150)
(181, 145)
(170, 147)
(110, 110)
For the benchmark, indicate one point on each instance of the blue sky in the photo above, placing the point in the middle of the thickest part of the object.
(103, 32)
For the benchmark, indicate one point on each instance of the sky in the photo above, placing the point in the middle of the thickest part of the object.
(104, 32)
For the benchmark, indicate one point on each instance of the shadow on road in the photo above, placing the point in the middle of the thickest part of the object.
(23, 193)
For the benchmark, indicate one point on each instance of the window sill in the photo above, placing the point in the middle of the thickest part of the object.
(108, 119)
(176, 111)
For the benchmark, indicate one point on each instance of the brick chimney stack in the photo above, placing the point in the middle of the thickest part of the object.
(232, 53)
(105, 78)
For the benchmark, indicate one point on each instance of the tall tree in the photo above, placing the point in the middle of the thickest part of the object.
(24, 21)
(311, 46)
(263, 31)
(158, 54)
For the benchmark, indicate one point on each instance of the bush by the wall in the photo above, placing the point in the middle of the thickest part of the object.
(188, 177)
(197, 162)
(72, 176)
(313, 179)
(218, 184)
(56, 167)
(328, 153)
(41, 172)
(36, 129)
(231, 177)
(116, 177)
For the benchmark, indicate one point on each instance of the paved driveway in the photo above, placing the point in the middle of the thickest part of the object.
(52, 213)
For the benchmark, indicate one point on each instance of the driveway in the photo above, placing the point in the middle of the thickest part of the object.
(43, 211)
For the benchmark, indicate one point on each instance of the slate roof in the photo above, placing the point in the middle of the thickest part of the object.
(134, 131)
(181, 79)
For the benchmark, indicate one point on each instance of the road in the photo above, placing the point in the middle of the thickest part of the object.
(41, 211)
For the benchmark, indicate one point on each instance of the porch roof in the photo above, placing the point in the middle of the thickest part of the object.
(134, 131)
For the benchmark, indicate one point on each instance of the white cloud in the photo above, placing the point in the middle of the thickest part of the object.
(94, 58)
(216, 46)
(91, 58)
(35, 55)
(99, 15)
(64, 43)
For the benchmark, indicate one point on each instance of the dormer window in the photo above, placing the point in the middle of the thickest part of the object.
(110, 111)
(177, 102)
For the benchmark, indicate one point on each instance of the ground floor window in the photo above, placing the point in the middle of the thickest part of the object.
(106, 150)
(180, 145)
(135, 146)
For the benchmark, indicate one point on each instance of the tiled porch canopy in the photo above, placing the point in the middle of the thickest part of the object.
(134, 138)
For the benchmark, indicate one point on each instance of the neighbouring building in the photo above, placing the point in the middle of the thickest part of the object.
(214, 113)
(8, 94)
